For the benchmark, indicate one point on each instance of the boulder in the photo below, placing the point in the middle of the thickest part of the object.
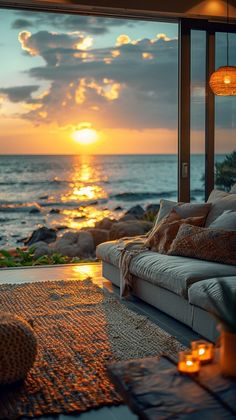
(118, 208)
(122, 229)
(42, 234)
(18, 241)
(54, 211)
(127, 218)
(136, 211)
(61, 227)
(41, 248)
(105, 223)
(99, 235)
(75, 244)
(35, 210)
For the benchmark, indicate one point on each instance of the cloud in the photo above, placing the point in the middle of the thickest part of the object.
(21, 24)
(147, 56)
(122, 40)
(131, 85)
(19, 93)
(70, 22)
(107, 89)
(163, 36)
(53, 46)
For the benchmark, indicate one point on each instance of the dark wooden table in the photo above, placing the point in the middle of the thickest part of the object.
(154, 390)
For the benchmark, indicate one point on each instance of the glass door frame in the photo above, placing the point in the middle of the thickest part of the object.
(185, 27)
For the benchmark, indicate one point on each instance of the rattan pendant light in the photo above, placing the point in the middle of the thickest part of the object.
(223, 80)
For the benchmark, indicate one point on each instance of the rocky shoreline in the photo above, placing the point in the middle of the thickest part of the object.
(82, 243)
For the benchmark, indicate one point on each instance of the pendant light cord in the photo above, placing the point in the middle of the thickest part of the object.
(227, 45)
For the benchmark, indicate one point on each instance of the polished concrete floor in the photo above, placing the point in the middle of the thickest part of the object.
(81, 272)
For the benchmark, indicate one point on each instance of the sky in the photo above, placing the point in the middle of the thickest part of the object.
(73, 84)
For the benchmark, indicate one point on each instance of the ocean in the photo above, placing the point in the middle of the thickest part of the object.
(71, 192)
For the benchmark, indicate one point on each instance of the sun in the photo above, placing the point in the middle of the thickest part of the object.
(85, 136)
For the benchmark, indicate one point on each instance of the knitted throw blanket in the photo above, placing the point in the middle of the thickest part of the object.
(129, 247)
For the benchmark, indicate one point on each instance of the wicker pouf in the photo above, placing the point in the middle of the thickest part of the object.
(18, 348)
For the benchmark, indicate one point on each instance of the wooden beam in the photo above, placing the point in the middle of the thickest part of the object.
(195, 9)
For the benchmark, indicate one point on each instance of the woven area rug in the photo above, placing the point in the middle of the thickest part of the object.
(79, 327)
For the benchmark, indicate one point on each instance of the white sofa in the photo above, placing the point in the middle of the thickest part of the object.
(176, 285)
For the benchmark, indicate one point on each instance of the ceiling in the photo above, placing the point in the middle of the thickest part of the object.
(204, 9)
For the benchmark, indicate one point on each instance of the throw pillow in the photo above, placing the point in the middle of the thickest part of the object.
(162, 236)
(233, 189)
(219, 205)
(205, 244)
(226, 221)
(217, 195)
(183, 209)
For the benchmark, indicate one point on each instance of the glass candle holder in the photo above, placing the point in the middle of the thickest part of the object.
(203, 350)
(189, 363)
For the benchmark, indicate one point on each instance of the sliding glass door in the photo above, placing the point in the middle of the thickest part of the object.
(225, 120)
(209, 144)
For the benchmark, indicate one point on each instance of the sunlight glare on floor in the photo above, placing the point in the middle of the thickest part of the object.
(92, 271)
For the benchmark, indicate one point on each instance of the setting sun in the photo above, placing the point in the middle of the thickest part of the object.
(85, 136)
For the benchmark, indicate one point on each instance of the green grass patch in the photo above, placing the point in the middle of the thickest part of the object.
(27, 258)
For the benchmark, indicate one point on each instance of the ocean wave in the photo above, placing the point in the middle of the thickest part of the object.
(73, 204)
(16, 207)
(43, 182)
(140, 196)
(197, 191)
(6, 219)
(34, 207)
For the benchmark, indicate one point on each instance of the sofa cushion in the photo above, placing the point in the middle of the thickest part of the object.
(220, 201)
(171, 272)
(174, 273)
(206, 244)
(163, 234)
(197, 293)
(109, 252)
(183, 209)
(226, 220)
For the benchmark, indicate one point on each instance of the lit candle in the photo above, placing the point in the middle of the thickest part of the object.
(203, 350)
(188, 363)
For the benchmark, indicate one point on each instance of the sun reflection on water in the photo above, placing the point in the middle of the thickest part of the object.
(84, 182)
(85, 189)
(91, 192)
(75, 219)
